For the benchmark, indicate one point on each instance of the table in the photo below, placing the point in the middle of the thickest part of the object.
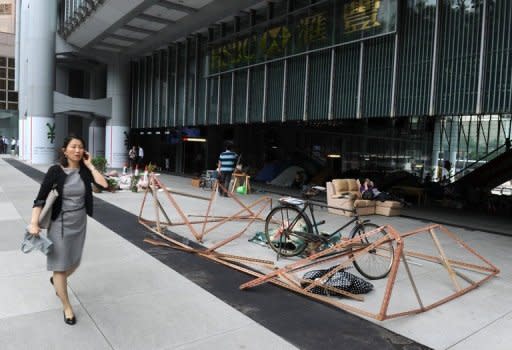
(238, 179)
(418, 192)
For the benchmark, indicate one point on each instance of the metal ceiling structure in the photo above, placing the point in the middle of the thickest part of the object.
(134, 28)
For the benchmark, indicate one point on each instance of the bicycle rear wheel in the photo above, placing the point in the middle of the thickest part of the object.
(377, 262)
(283, 226)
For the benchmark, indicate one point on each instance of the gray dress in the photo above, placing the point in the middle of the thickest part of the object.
(67, 232)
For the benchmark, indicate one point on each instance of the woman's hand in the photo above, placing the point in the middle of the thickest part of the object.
(34, 229)
(87, 159)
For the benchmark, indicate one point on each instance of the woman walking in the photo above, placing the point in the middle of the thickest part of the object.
(72, 179)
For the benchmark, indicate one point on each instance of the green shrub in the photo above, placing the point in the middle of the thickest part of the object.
(100, 163)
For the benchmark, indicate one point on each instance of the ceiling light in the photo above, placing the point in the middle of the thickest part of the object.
(194, 139)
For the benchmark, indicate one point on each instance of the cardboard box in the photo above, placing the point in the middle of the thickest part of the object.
(195, 182)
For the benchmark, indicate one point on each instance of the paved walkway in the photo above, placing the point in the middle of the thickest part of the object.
(129, 295)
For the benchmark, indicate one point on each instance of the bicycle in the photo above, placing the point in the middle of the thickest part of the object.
(207, 180)
(289, 231)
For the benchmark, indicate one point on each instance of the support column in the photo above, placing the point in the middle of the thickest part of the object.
(18, 72)
(40, 58)
(96, 141)
(118, 127)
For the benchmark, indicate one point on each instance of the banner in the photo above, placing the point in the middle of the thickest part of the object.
(41, 140)
(117, 146)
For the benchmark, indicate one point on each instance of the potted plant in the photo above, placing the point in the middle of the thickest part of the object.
(100, 163)
(112, 184)
(135, 182)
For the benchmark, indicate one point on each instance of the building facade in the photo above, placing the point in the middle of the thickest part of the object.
(8, 94)
(350, 84)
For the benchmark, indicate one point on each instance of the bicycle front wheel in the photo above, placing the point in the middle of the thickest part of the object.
(376, 263)
(283, 228)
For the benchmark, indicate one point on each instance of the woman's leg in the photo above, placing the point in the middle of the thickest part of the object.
(60, 281)
(71, 270)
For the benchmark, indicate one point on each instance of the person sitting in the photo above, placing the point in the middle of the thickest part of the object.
(299, 180)
(370, 192)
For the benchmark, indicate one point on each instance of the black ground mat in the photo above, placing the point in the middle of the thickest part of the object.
(304, 323)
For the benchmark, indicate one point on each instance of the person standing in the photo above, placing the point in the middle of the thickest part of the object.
(72, 179)
(132, 157)
(5, 143)
(226, 166)
(13, 145)
(140, 157)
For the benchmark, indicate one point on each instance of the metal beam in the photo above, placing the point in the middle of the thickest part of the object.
(122, 37)
(139, 30)
(177, 7)
(156, 19)
(211, 13)
(122, 23)
(113, 45)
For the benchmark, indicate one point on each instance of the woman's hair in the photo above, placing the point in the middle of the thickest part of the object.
(62, 158)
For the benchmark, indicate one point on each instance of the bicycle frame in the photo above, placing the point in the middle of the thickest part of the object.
(315, 224)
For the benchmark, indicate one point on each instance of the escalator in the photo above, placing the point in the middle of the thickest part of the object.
(486, 173)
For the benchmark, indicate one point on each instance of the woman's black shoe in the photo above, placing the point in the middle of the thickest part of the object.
(71, 321)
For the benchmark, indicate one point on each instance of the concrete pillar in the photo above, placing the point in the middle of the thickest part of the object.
(40, 53)
(118, 126)
(96, 142)
(21, 62)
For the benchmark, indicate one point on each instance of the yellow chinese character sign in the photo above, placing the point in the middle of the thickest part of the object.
(312, 29)
(334, 22)
(361, 15)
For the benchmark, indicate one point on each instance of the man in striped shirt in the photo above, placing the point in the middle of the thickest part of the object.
(226, 166)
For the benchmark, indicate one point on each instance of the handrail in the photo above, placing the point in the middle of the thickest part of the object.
(463, 171)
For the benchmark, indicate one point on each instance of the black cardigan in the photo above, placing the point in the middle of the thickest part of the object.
(56, 176)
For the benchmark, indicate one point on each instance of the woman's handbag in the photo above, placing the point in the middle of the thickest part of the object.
(46, 212)
(39, 242)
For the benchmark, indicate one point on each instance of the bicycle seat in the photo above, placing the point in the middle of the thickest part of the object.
(291, 201)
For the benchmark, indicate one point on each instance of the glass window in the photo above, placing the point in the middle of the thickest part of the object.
(10, 85)
(13, 96)
(2, 84)
(2, 96)
(11, 73)
(2, 73)
(13, 106)
(10, 62)
(3, 61)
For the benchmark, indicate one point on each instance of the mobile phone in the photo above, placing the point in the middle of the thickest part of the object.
(86, 155)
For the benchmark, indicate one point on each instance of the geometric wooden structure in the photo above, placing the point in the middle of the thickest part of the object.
(161, 221)
(209, 223)
(456, 270)
(342, 255)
